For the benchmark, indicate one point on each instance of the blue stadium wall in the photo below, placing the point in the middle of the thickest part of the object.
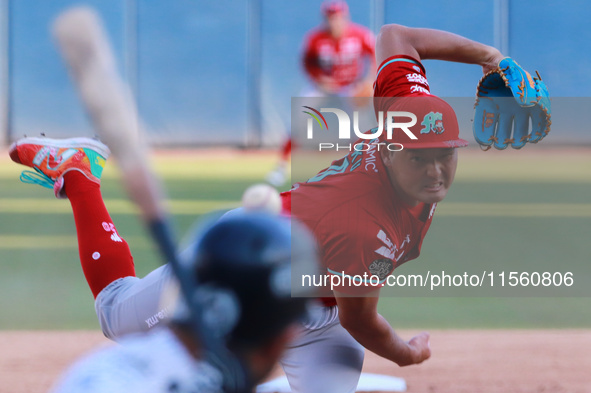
(224, 71)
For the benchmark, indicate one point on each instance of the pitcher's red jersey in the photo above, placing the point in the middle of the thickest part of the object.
(362, 226)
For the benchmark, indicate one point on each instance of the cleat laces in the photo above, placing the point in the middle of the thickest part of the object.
(37, 177)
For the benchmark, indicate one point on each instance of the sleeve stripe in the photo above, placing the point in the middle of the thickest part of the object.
(395, 60)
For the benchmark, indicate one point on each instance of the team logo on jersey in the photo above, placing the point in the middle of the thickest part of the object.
(381, 267)
(390, 249)
(419, 89)
(417, 78)
(432, 122)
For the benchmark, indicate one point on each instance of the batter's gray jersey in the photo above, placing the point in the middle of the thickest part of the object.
(156, 362)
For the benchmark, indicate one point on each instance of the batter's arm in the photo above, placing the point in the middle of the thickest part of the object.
(359, 316)
(424, 44)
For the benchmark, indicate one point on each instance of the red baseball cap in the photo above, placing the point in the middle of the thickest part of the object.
(332, 7)
(436, 124)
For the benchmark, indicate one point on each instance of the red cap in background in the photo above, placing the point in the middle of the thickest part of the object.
(332, 7)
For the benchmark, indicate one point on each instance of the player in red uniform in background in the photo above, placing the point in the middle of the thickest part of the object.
(339, 60)
(336, 53)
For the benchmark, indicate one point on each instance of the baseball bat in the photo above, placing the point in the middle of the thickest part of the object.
(109, 104)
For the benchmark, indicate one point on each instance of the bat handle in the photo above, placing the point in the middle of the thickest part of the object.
(161, 230)
(236, 375)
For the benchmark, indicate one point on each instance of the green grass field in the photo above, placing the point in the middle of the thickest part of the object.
(527, 211)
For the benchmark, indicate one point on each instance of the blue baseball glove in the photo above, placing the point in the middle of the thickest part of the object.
(512, 108)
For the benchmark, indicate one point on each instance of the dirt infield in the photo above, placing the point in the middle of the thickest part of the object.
(517, 361)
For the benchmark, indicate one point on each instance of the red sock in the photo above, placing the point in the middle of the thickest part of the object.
(105, 257)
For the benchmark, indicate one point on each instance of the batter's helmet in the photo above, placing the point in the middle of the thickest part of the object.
(243, 274)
